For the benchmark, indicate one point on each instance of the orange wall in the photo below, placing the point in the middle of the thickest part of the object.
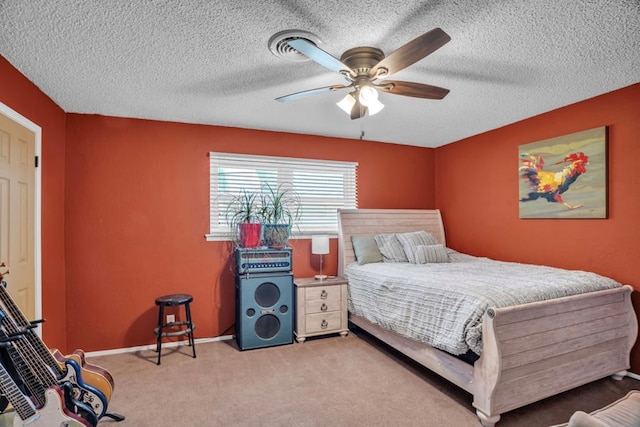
(25, 98)
(477, 190)
(137, 212)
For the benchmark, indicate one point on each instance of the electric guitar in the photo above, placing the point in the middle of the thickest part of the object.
(52, 413)
(82, 395)
(92, 375)
(79, 356)
(20, 372)
(95, 375)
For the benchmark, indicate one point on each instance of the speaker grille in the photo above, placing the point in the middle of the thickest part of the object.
(267, 294)
(267, 326)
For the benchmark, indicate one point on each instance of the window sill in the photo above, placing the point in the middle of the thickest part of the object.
(225, 238)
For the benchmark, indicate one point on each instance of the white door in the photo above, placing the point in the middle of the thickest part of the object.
(17, 212)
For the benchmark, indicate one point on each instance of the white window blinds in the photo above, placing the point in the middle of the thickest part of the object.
(323, 186)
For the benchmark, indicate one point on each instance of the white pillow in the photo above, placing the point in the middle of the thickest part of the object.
(425, 254)
(410, 241)
(390, 248)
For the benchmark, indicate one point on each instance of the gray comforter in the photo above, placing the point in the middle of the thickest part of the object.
(443, 304)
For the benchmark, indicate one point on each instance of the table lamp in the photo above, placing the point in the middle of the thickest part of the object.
(320, 246)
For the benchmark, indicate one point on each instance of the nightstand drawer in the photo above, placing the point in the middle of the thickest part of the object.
(322, 299)
(322, 306)
(322, 322)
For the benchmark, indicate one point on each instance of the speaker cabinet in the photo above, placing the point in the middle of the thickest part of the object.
(264, 310)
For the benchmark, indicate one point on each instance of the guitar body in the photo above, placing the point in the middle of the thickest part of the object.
(83, 392)
(91, 375)
(54, 413)
(79, 356)
(83, 404)
(80, 409)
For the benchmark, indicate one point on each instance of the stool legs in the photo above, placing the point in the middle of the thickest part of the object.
(188, 323)
(160, 331)
(192, 342)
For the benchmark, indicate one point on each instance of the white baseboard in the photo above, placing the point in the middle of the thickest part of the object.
(634, 376)
(153, 346)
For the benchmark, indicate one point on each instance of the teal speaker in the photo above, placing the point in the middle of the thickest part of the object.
(264, 310)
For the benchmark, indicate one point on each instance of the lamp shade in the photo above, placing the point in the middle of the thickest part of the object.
(347, 103)
(319, 245)
(367, 95)
(369, 98)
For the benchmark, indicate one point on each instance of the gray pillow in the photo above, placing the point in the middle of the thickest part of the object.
(425, 254)
(366, 250)
(410, 241)
(390, 248)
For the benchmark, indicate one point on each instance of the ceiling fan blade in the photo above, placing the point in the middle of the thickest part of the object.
(411, 52)
(416, 90)
(310, 92)
(318, 55)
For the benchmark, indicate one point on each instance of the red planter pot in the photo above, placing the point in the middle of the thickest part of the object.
(249, 234)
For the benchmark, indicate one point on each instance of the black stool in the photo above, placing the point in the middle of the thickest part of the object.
(186, 327)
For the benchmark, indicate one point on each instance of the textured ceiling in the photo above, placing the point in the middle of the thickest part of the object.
(202, 61)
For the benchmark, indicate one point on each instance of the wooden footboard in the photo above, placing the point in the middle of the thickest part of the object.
(533, 351)
(536, 350)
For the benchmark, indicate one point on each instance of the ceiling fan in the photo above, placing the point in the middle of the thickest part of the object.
(366, 68)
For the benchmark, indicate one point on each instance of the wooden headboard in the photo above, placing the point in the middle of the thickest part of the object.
(369, 222)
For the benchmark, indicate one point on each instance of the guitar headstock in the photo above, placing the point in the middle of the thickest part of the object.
(4, 267)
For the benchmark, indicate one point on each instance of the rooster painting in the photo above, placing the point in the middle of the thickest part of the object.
(551, 185)
(564, 177)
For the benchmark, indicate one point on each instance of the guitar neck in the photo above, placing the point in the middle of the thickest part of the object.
(24, 375)
(13, 394)
(27, 353)
(44, 353)
(36, 342)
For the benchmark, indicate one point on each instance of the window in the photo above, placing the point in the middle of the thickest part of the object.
(322, 185)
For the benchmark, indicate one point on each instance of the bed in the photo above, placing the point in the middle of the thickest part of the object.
(529, 351)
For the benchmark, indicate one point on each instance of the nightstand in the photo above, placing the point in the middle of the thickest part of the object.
(321, 307)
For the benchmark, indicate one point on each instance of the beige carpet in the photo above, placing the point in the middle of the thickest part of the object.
(331, 381)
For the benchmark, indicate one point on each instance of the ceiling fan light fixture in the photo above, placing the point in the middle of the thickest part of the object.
(374, 107)
(367, 94)
(346, 104)
(368, 97)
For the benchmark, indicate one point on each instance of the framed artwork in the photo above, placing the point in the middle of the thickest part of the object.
(565, 176)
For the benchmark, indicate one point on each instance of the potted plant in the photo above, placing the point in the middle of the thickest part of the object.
(280, 208)
(243, 217)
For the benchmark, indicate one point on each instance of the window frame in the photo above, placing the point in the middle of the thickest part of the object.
(344, 176)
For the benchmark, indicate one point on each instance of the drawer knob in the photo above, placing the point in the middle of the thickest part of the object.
(324, 307)
(324, 324)
(323, 294)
